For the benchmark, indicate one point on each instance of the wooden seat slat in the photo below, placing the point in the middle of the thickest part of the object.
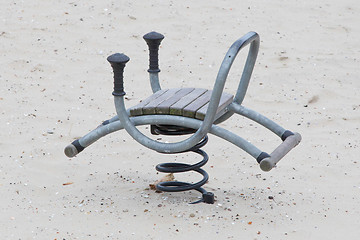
(177, 108)
(190, 110)
(225, 100)
(150, 108)
(164, 107)
(187, 102)
(137, 110)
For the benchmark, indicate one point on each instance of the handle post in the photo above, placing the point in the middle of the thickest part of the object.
(289, 143)
(153, 40)
(118, 61)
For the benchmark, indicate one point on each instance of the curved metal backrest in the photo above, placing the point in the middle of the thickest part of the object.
(251, 37)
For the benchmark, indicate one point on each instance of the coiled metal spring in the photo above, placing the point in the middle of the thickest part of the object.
(178, 186)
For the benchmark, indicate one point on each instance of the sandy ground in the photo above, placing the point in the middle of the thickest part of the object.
(56, 86)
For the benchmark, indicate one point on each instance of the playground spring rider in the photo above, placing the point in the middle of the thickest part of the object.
(185, 111)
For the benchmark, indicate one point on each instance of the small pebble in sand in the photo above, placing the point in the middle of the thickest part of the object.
(167, 178)
(314, 99)
(192, 215)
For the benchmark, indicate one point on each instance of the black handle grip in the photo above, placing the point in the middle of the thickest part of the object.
(118, 61)
(153, 40)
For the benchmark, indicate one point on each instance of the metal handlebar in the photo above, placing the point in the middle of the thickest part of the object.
(153, 40)
(290, 142)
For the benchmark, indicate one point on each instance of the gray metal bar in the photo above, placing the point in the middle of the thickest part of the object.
(113, 119)
(251, 37)
(97, 133)
(221, 79)
(257, 117)
(229, 58)
(104, 130)
(248, 69)
(290, 142)
(154, 81)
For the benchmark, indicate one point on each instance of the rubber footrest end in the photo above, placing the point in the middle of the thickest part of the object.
(71, 151)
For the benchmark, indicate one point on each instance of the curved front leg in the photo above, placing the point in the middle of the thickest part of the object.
(80, 144)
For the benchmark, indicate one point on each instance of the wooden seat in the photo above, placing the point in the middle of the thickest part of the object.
(187, 102)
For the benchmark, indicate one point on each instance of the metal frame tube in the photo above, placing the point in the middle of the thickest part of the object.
(251, 37)
(257, 117)
(104, 130)
(154, 81)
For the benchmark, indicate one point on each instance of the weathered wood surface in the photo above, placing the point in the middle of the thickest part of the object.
(164, 107)
(187, 102)
(137, 110)
(177, 108)
(225, 100)
(150, 108)
(190, 110)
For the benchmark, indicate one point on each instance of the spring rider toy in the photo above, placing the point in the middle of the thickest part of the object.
(188, 111)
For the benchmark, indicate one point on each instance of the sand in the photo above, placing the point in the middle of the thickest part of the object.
(57, 84)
